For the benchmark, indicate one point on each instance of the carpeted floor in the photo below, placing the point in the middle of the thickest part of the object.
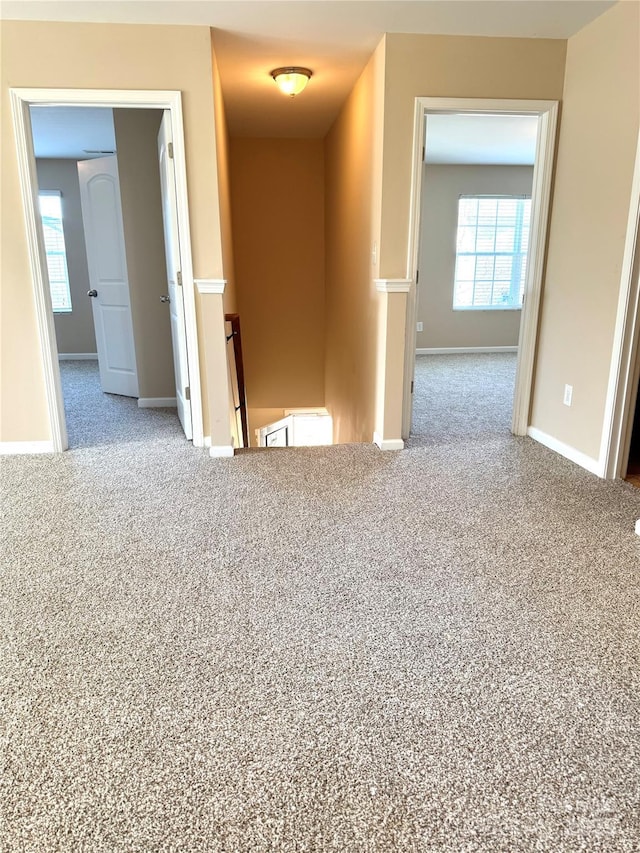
(95, 419)
(322, 649)
(462, 397)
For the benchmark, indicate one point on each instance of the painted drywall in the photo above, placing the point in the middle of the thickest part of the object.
(441, 189)
(443, 66)
(596, 154)
(74, 331)
(224, 191)
(106, 56)
(353, 168)
(136, 134)
(277, 205)
(452, 67)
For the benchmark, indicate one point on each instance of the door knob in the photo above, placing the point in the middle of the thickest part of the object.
(165, 299)
(92, 293)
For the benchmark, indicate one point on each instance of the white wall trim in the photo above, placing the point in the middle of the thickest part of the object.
(392, 285)
(77, 356)
(207, 441)
(157, 402)
(15, 448)
(547, 112)
(28, 179)
(221, 451)
(210, 285)
(388, 443)
(21, 100)
(454, 350)
(623, 379)
(589, 463)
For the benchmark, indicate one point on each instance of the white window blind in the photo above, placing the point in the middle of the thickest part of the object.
(491, 252)
(51, 213)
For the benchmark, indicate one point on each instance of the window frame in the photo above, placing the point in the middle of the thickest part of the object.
(516, 253)
(63, 310)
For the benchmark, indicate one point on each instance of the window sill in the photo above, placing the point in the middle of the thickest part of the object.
(491, 308)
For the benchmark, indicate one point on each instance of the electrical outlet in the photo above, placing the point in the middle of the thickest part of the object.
(419, 326)
(568, 394)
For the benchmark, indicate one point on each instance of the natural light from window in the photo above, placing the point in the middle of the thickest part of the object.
(51, 213)
(491, 252)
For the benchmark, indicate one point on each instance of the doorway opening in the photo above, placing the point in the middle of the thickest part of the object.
(475, 218)
(125, 361)
(476, 259)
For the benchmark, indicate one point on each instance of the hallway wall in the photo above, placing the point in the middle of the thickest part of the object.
(99, 56)
(353, 152)
(595, 162)
(277, 208)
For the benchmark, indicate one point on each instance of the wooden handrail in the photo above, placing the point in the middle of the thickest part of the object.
(234, 320)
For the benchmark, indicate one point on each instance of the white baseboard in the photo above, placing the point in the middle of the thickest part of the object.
(388, 443)
(588, 462)
(156, 402)
(206, 441)
(77, 356)
(221, 450)
(638, 527)
(14, 448)
(453, 350)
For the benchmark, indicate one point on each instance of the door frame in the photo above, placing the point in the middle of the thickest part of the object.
(21, 100)
(547, 113)
(625, 362)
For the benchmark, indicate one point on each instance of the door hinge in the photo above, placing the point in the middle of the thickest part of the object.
(424, 151)
(179, 278)
(170, 150)
(412, 386)
(187, 393)
(417, 276)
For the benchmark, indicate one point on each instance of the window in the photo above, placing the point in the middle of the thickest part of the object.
(51, 213)
(491, 252)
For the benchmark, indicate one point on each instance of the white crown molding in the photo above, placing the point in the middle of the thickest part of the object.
(393, 285)
(210, 285)
(587, 462)
(15, 448)
(388, 443)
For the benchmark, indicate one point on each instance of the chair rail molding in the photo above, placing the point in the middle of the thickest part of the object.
(210, 285)
(393, 285)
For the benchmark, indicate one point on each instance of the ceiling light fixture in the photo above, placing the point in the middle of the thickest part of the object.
(291, 80)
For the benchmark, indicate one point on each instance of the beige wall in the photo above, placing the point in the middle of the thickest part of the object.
(137, 146)
(353, 164)
(441, 188)
(598, 135)
(453, 67)
(277, 203)
(224, 191)
(74, 331)
(96, 56)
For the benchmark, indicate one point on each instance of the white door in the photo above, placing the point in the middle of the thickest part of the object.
(109, 292)
(174, 275)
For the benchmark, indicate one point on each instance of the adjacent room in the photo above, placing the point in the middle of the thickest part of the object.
(99, 194)
(474, 236)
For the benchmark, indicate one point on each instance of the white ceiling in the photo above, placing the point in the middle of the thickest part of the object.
(487, 140)
(332, 37)
(71, 132)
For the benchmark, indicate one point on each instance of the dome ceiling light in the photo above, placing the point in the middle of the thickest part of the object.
(291, 80)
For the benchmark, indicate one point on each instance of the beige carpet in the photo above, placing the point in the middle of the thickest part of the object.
(318, 650)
